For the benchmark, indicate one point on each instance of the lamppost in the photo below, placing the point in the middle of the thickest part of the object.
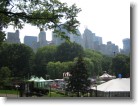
(17, 86)
(50, 90)
(95, 85)
(47, 77)
(114, 53)
(96, 90)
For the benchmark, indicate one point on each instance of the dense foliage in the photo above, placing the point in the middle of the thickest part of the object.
(19, 61)
(68, 51)
(121, 65)
(17, 57)
(56, 69)
(5, 74)
(49, 60)
(43, 56)
(78, 81)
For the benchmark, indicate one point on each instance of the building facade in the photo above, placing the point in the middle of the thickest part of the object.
(13, 37)
(42, 38)
(126, 46)
(88, 39)
(30, 41)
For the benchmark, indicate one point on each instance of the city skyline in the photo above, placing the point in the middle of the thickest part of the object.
(88, 40)
(50, 39)
(111, 21)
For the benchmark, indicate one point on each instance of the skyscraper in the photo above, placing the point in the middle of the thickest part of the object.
(109, 49)
(30, 41)
(77, 38)
(13, 37)
(88, 39)
(126, 46)
(98, 40)
(42, 38)
(57, 40)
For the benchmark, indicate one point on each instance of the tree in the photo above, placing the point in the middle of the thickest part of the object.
(56, 69)
(17, 57)
(121, 65)
(68, 51)
(78, 81)
(106, 63)
(5, 74)
(2, 36)
(43, 56)
(96, 58)
(89, 65)
(46, 14)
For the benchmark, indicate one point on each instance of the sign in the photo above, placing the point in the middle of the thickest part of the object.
(119, 75)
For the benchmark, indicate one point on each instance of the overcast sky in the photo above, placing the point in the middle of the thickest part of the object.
(109, 19)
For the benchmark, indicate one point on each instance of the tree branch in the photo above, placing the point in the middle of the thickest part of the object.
(23, 14)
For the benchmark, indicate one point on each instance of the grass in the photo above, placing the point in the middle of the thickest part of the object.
(55, 94)
(8, 91)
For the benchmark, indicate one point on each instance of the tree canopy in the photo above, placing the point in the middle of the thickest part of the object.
(42, 57)
(78, 81)
(56, 69)
(96, 58)
(46, 14)
(68, 51)
(121, 65)
(5, 74)
(17, 57)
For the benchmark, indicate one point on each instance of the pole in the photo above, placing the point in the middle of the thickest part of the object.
(96, 90)
(6, 92)
(114, 53)
(17, 91)
(50, 91)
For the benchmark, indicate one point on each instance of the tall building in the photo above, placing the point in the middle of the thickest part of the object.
(112, 49)
(109, 49)
(13, 37)
(34, 43)
(98, 40)
(30, 41)
(42, 38)
(88, 39)
(103, 49)
(126, 46)
(57, 40)
(77, 38)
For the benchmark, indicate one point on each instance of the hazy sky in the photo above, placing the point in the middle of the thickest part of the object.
(109, 19)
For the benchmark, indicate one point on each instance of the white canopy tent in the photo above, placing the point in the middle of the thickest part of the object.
(32, 78)
(116, 85)
(42, 80)
(38, 82)
(36, 79)
(50, 80)
(106, 76)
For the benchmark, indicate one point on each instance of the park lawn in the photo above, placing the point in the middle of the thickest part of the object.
(8, 91)
(55, 94)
